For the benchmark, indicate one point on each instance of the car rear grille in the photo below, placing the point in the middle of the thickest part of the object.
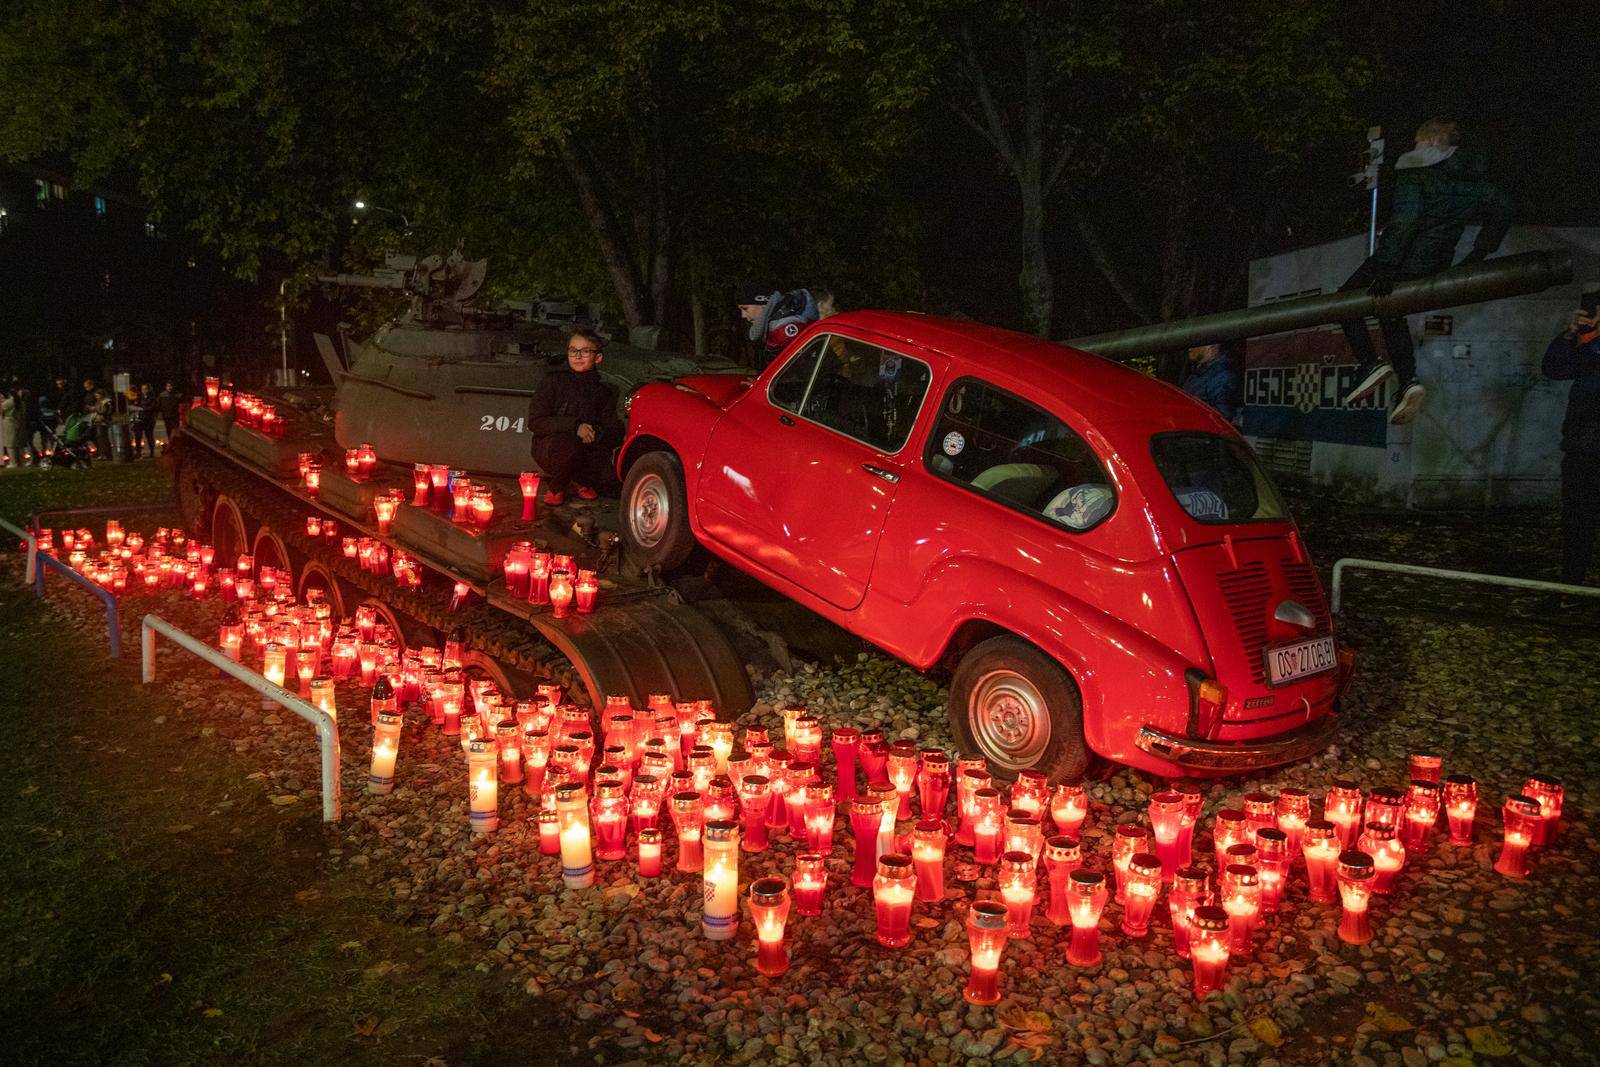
(1304, 587)
(1247, 591)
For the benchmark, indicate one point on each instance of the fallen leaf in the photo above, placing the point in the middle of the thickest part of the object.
(212, 1013)
(29, 790)
(283, 798)
(256, 776)
(366, 1025)
(389, 1026)
(1266, 1031)
(181, 828)
(1037, 1021)
(378, 970)
(164, 979)
(1384, 1019)
(1487, 1041)
(349, 946)
(651, 1036)
(306, 896)
(924, 922)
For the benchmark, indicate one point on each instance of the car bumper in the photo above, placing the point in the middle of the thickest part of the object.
(1200, 755)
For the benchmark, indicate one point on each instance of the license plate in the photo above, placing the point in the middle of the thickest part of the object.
(1286, 663)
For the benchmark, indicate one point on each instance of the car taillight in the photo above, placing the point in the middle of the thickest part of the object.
(1207, 698)
(1347, 667)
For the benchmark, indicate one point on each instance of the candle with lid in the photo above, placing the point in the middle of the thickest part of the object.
(688, 819)
(719, 920)
(483, 792)
(1521, 815)
(1062, 856)
(1208, 946)
(560, 594)
(528, 483)
(1383, 844)
(644, 801)
(535, 759)
(778, 776)
(801, 777)
(933, 781)
(1086, 899)
(1319, 844)
(649, 840)
(986, 937)
(866, 819)
(1240, 892)
(721, 799)
(1260, 809)
(1342, 807)
(1031, 791)
(808, 739)
(1229, 827)
(888, 805)
(755, 798)
(1166, 824)
(988, 825)
(969, 780)
(1018, 887)
(1128, 839)
(1023, 833)
(893, 890)
(1191, 888)
(810, 879)
(385, 747)
(322, 697)
(1423, 799)
(1355, 890)
(1293, 811)
(1272, 866)
(1461, 806)
(577, 858)
(845, 742)
(1385, 807)
(902, 772)
(769, 911)
(874, 756)
(927, 854)
(274, 659)
(1143, 886)
(1551, 795)
(1068, 806)
(610, 812)
(1425, 767)
(820, 814)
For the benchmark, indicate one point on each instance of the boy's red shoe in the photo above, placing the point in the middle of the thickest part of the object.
(553, 497)
(585, 493)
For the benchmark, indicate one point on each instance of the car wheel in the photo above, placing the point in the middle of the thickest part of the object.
(1019, 709)
(655, 512)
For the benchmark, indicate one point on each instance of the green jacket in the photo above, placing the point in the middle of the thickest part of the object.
(1432, 205)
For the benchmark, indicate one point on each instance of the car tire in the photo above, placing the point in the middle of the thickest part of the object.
(655, 512)
(1019, 709)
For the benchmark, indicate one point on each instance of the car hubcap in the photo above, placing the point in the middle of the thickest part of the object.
(649, 510)
(1009, 720)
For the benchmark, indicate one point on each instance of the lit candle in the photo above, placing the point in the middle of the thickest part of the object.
(719, 920)
(778, 776)
(969, 779)
(519, 557)
(1086, 898)
(231, 635)
(719, 737)
(1461, 806)
(1421, 812)
(1030, 792)
(1388, 855)
(874, 756)
(509, 741)
(1260, 810)
(450, 701)
(369, 663)
(1068, 806)
(801, 777)
(755, 798)
(1240, 891)
(902, 772)
(1342, 807)
(820, 814)
(1425, 767)
(769, 911)
(609, 809)
(535, 758)
(1128, 839)
(482, 508)
(986, 937)
(1521, 815)
(649, 852)
(810, 879)
(274, 659)
(1293, 811)
(584, 592)
(383, 698)
(927, 855)
(528, 482)
(384, 507)
(866, 819)
(1272, 866)
(577, 860)
(322, 697)
(1228, 827)
(1551, 796)
(1144, 885)
(1384, 808)
(1061, 857)
(1166, 822)
(1320, 846)
(1355, 889)
(1208, 946)
(439, 486)
(845, 742)
(539, 579)
(385, 747)
(560, 594)
(1018, 887)
(933, 781)
(483, 791)
(893, 891)
(645, 800)
(808, 739)
(688, 819)
(1191, 889)
(988, 825)
(549, 828)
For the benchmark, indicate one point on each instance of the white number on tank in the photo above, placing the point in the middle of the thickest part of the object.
(501, 423)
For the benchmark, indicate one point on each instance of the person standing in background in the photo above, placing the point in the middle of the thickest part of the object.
(1574, 356)
(1213, 379)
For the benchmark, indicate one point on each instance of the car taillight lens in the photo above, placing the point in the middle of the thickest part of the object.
(1210, 697)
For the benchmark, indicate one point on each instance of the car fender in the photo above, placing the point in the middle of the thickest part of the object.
(675, 415)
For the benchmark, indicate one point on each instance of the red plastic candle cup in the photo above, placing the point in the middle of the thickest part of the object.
(755, 798)
(722, 799)
(933, 781)
(1241, 852)
(927, 855)
(688, 817)
(368, 459)
(1385, 807)
(810, 880)
(902, 772)
(1086, 899)
(893, 890)
(1030, 792)
(1191, 889)
(1166, 824)
(1425, 767)
(1023, 833)
(1383, 844)
(798, 800)
(1293, 811)
(420, 485)
(560, 594)
(1062, 856)
(1260, 809)
(1272, 866)
(213, 389)
(808, 740)
(1423, 799)
(769, 912)
(820, 814)
(1128, 839)
(645, 802)
(535, 758)
(1143, 887)
(1342, 807)
(866, 819)
(1355, 890)
(1018, 887)
(313, 479)
(585, 591)
(528, 482)
(1460, 806)
(1551, 795)
(703, 765)
(988, 825)
(1068, 806)
(610, 810)
(846, 742)
(539, 578)
(649, 852)
(439, 488)
(986, 937)
(1522, 817)
(782, 783)
(549, 830)
(874, 756)
(1208, 947)
(1228, 828)
(509, 741)
(1194, 801)
(1320, 846)
(1239, 891)
(968, 781)
(888, 802)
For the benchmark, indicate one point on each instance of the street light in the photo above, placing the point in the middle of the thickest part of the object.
(362, 205)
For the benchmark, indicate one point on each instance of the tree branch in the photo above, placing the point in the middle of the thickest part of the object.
(970, 66)
(1102, 261)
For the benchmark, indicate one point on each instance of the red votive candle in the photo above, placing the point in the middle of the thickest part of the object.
(1272, 866)
(988, 826)
(1293, 811)
(782, 784)
(721, 799)
(645, 801)
(1191, 889)
(1522, 816)
(1240, 893)
(893, 891)
(1086, 899)
(755, 798)
(1194, 801)
(688, 817)
(1551, 795)
(1425, 767)
(1355, 890)
(549, 830)
(808, 740)
(1385, 807)
(769, 911)
(1380, 842)
(1342, 807)
(1128, 839)
(1143, 886)
(1018, 887)
(986, 937)
(846, 742)
(927, 854)
(810, 880)
(1319, 844)
(933, 781)
(866, 818)
(1068, 806)
(874, 756)
(798, 801)
(528, 482)
(509, 740)
(1229, 828)
(1061, 857)
(610, 822)
(1166, 823)
(1023, 833)
(969, 780)
(1030, 792)
(902, 772)
(1461, 806)
(1208, 947)
(820, 814)
(649, 852)
(1422, 812)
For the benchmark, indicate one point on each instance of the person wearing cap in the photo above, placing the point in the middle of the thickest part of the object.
(775, 318)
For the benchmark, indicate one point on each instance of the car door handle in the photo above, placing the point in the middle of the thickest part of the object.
(784, 420)
(878, 472)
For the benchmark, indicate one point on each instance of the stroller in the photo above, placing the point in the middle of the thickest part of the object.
(68, 444)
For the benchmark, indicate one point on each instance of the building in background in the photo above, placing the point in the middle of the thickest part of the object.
(1489, 434)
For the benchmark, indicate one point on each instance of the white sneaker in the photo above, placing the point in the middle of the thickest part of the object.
(1411, 399)
(1368, 377)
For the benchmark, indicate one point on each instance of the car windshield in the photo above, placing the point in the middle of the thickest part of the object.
(1216, 479)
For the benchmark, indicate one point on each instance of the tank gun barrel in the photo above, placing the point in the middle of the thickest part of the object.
(365, 281)
(1473, 283)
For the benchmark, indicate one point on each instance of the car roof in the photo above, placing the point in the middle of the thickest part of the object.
(1087, 382)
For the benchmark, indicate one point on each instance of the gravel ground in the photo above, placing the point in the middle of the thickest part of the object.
(1467, 966)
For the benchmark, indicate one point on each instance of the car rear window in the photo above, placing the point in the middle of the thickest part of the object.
(1018, 454)
(1216, 479)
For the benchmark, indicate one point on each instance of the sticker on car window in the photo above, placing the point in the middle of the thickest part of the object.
(954, 443)
(1202, 503)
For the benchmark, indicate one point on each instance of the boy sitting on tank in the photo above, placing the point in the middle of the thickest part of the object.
(573, 418)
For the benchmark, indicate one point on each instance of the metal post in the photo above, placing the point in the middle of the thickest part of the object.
(32, 541)
(283, 331)
(1534, 585)
(113, 613)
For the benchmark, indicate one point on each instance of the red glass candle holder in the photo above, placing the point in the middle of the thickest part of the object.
(649, 840)
(1355, 890)
(1208, 947)
(845, 742)
(367, 457)
(1191, 889)
(585, 591)
(893, 890)
(1018, 886)
(610, 810)
(866, 819)
(769, 911)
(1023, 833)
(1031, 791)
(1385, 807)
(782, 783)
(986, 938)
(1522, 815)
(549, 830)
(722, 799)
(933, 782)
(1194, 802)
(645, 801)
(1062, 856)
(902, 773)
(968, 781)
(988, 825)
(927, 855)
(1342, 806)
(810, 881)
(1551, 796)
(1461, 806)
(1229, 828)
(1272, 866)
(1425, 767)
(528, 482)
(508, 739)
(798, 800)
(1143, 887)
(1293, 811)
(1239, 890)
(1423, 800)
(820, 814)
(560, 594)
(1320, 846)
(1260, 810)
(874, 757)
(1166, 824)
(1128, 839)
(1069, 804)
(755, 799)
(688, 818)
(1382, 843)
(1086, 899)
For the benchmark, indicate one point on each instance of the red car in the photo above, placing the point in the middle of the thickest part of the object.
(1100, 558)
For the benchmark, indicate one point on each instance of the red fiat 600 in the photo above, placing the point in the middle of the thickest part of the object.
(1100, 557)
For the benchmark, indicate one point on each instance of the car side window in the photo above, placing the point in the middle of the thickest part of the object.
(789, 385)
(1014, 452)
(866, 392)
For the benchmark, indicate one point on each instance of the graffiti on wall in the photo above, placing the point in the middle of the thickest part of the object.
(1294, 387)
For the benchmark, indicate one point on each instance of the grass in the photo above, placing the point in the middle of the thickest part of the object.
(153, 907)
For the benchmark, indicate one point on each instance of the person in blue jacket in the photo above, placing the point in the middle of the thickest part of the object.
(1574, 356)
(1213, 379)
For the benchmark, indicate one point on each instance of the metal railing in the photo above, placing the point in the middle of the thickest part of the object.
(1531, 584)
(40, 562)
(327, 727)
(29, 539)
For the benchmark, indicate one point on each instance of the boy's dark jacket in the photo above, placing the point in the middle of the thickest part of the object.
(565, 399)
